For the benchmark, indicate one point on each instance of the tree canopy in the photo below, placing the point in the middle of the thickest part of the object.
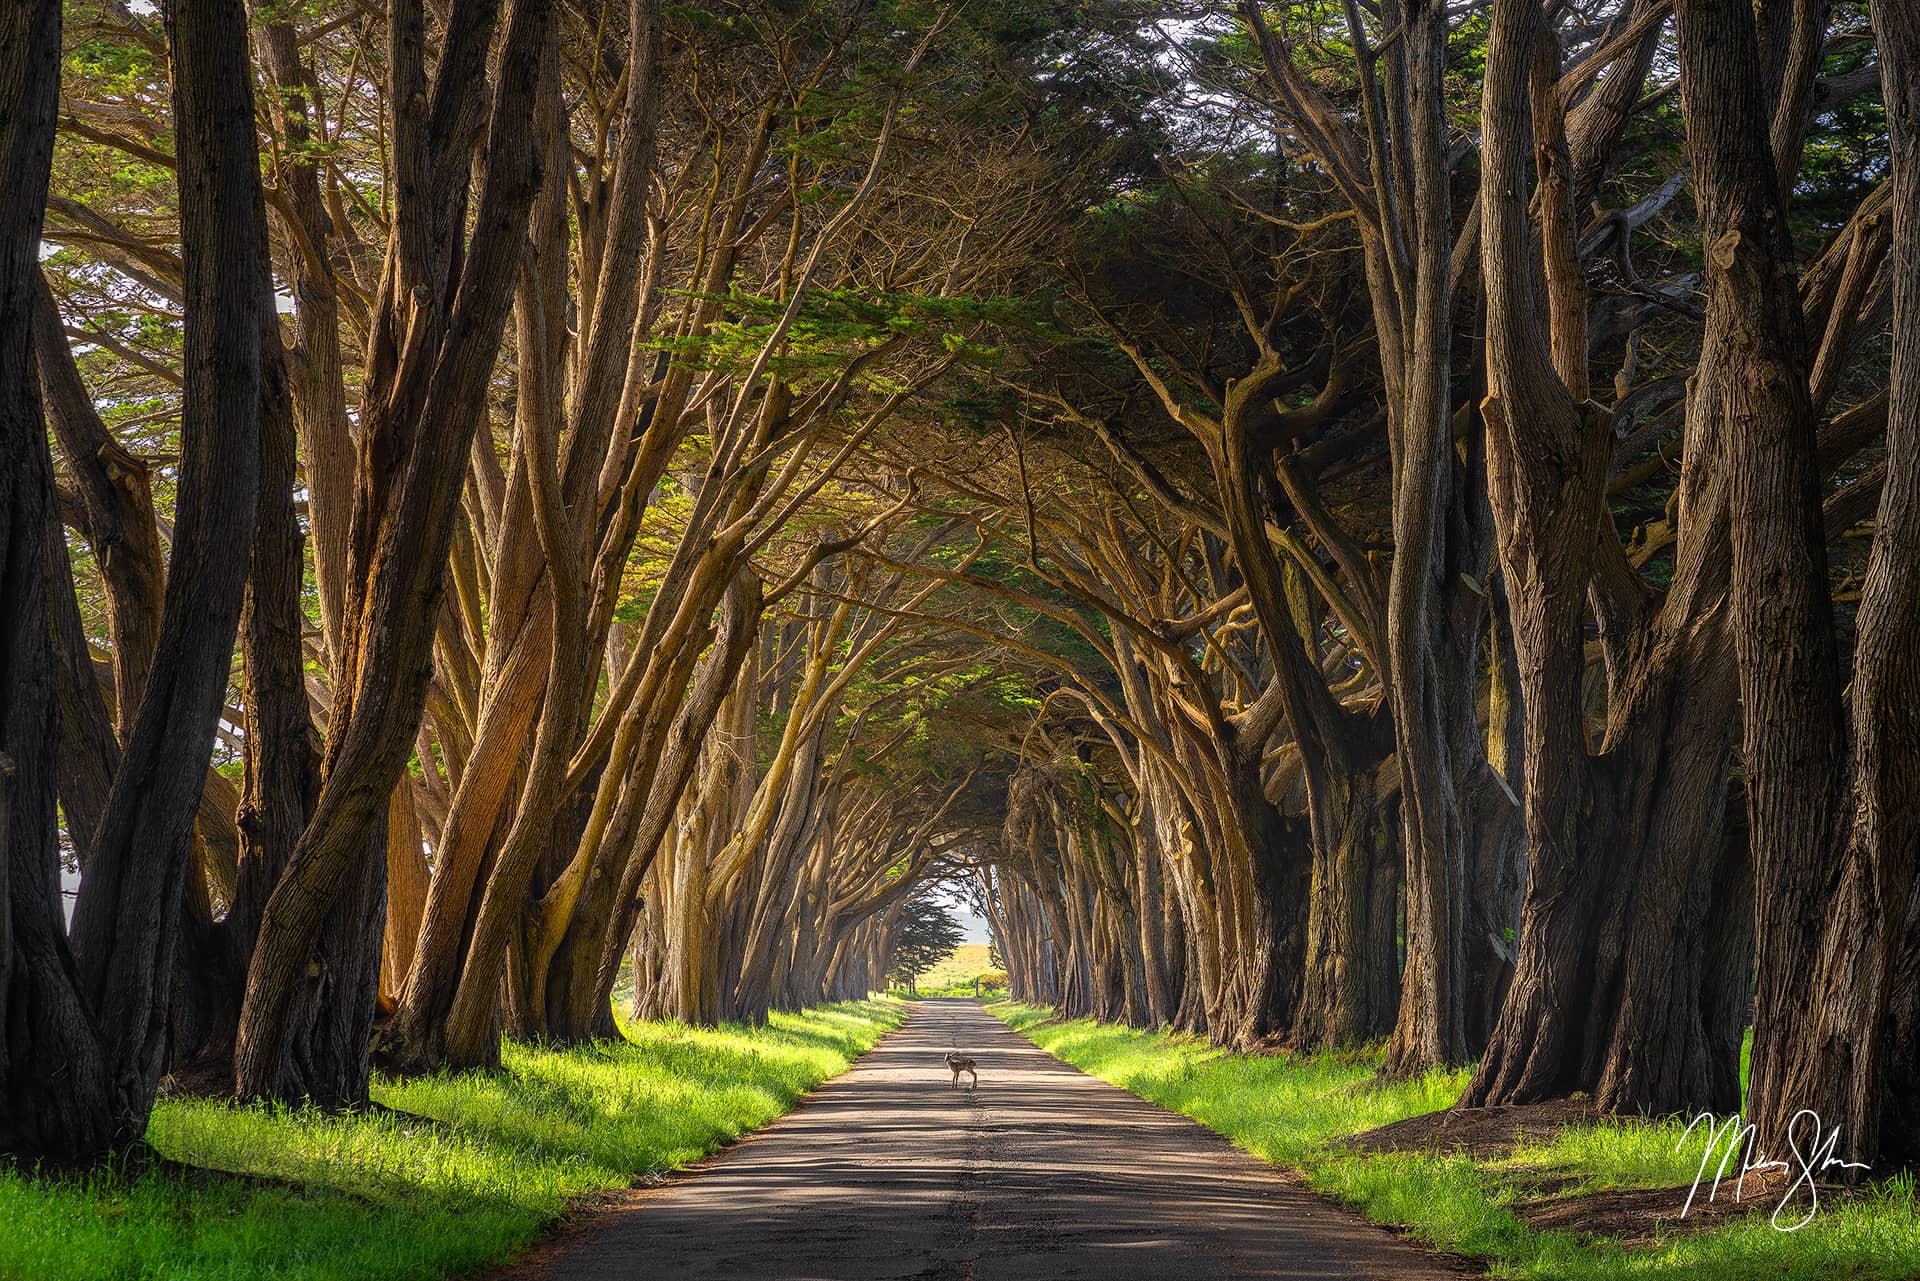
(1325, 523)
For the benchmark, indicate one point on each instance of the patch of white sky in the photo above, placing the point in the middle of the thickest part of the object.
(1207, 110)
(971, 921)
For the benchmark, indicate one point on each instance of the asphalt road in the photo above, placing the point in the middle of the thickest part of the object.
(1042, 1173)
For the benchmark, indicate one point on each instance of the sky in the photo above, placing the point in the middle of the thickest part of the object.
(972, 922)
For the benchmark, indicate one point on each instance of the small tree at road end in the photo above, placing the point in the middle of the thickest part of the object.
(928, 935)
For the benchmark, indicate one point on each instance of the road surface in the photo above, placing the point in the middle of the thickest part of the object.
(1041, 1174)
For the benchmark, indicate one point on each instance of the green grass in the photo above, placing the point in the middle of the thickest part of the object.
(462, 1171)
(1292, 1111)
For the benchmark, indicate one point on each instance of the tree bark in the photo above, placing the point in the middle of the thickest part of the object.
(83, 1080)
(1615, 992)
(433, 349)
(1830, 774)
(43, 1025)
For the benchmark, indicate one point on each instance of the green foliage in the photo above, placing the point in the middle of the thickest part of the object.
(1295, 1111)
(449, 1174)
(834, 326)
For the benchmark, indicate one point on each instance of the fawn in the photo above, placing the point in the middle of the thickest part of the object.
(958, 1063)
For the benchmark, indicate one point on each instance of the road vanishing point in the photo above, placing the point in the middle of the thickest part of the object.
(1041, 1174)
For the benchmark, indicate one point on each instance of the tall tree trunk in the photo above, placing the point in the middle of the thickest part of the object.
(1830, 775)
(433, 349)
(1615, 992)
(277, 751)
(92, 1023)
(117, 499)
(407, 877)
(1352, 981)
(316, 385)
(43, 1024)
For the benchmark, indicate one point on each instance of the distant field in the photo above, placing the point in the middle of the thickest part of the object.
(960, 967)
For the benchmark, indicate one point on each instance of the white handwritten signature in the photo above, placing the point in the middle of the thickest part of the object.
(1728, 1136)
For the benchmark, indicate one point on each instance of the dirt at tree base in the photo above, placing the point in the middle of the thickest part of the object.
(1632, 1217)
(1478, 1132)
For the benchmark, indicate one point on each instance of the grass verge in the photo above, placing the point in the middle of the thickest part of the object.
(454, 1172)
(1294, 1111)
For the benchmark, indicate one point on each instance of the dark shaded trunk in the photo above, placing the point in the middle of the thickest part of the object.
(117, 500)
(87, 1032)
(1618, 988)
(1466, 871)
(1279, 854)
(55, 1102)
(330, 1021)
(1622, 987)
(89, 750)
(1156, 951)
(1831, 770)
(1497, 858)
(1352, 964)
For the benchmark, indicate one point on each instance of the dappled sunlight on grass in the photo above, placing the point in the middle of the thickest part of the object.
(1276, 1106)
(452, 1172)
(1293, 1110)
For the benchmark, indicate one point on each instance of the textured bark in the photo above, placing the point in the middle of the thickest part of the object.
(435, 340)
(1439, 536)
(315, 381)
(1272, 956)
(556, 575)
(83, 1078)
(407, 877)
(1422, 626)
(89, 749)
(1830, 777)
(43, 1025)
(466, 1030)
(280, 753)
(118, 501)
(1618, 989)
(277, 750)
(1352, 967)
(510, 703)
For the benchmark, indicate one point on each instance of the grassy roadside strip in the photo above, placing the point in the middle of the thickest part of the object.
(1294, 1112)
(452, 1173)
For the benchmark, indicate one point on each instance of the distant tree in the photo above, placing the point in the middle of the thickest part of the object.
(928, 934)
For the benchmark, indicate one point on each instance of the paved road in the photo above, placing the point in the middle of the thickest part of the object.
(1042, 1173)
